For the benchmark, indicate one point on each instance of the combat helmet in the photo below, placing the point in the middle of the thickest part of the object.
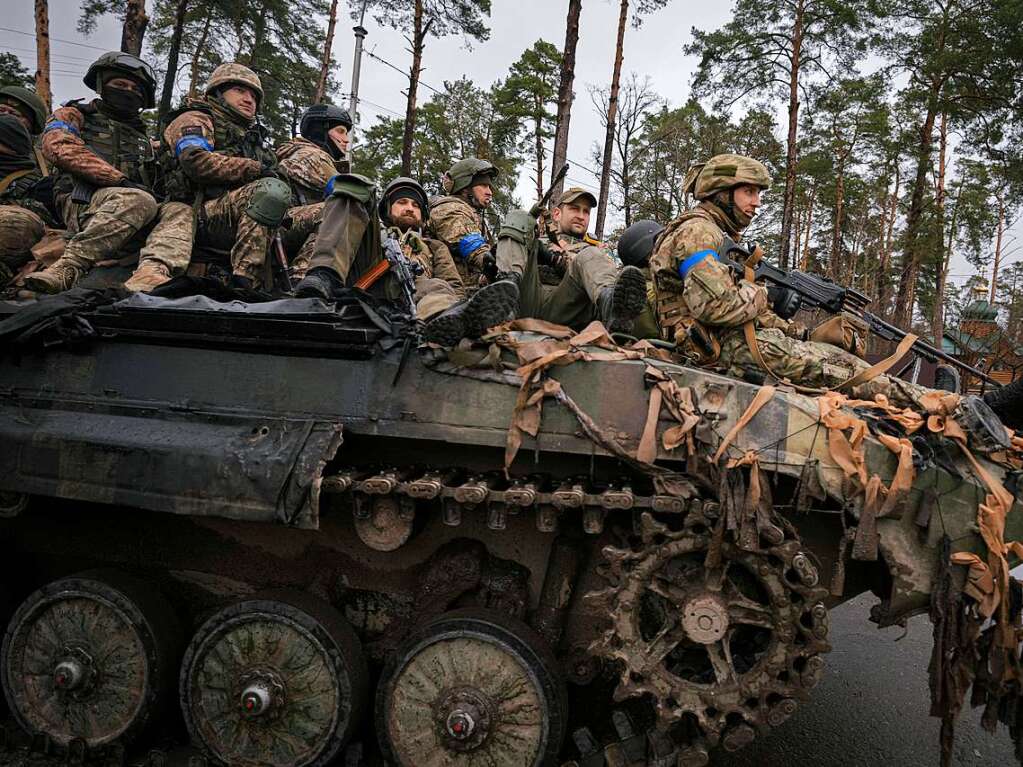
(460, 175)
(725, 171)
(636, 244)
(318, 119)
(233, 73)
(123, 64)
(410, 188)
(29, 99)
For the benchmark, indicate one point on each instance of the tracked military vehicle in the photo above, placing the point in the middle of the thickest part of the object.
(285, 535)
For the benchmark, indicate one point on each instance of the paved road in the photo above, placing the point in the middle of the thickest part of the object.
(871, 707)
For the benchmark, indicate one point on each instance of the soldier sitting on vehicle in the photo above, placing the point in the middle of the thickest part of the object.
(593, 287)
(310, 161)
(23, 216)
(635, 247)
(103, 162)
(218, 165)
(719, 322)
(348, 246)
(456, 219)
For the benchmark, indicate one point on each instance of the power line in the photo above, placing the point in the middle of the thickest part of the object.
(399, 70)
(54, 58)
(54, 39)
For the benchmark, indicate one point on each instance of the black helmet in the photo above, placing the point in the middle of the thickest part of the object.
(125, 64)
(318, 119)
(403, 187)
(636, 244)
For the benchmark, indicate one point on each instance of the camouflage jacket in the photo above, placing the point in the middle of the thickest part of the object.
(19, 192)
(458, 225)
(209, 148)
(692, 286)
(83, 142)
(307, 167)
(432, 255)
(570, 246)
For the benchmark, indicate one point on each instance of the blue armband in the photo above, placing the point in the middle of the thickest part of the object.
(470, 244)
(187, 142)
(693, 260)
(60, 125)
(328, 190)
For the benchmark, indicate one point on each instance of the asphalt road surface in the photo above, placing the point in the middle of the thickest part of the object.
(871, 707)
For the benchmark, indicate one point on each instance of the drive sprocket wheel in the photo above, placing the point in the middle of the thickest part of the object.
(728, 643)
(474, 687)
(279, 680)
(90, 658)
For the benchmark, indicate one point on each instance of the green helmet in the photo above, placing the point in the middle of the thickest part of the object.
(27, 98)
(235, 74)
(399, 188)
(120, 63)
(460, 175)
(725, 171)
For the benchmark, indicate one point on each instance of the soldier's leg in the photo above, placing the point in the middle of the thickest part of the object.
(305, 224)
(592, 288)
(516, 260)
(168, 248)
(112, 218)
(346, 216)
(433, 296)
(20, 229)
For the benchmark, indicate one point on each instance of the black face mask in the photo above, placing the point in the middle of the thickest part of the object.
(18, 143)
(124, 101)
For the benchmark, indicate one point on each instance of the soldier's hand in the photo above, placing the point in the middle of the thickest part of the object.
(490, 267)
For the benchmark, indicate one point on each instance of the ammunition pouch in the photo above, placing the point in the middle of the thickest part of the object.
(269, 202)
(844, 331)
(696, 342)
(82, 192)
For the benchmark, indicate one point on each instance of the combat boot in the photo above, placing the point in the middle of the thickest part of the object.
(61, 275)
(490, 305)
(621, 303)
(319, 282)
(149, 274)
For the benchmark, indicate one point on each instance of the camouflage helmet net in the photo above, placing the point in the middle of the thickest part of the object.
(460, 175)
(234, 74)
(30, 101)
(725, 171)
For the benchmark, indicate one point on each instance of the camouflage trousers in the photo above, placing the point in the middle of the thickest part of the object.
(171, 238)
(301, 237)
(812, 364)
(571, 302)
(226, 226)
(114, 217)
(20, 229)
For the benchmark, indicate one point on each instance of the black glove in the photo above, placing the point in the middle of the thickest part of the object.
(490, 267)
(784, 301)
(129, 184)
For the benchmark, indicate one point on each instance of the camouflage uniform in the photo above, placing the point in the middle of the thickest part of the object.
(702, 308)
(217, 165)
(309, 169)
(459, 225)
(439, 286)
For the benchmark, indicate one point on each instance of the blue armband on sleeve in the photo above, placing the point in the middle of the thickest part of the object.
(328, 190)
(693, 260)
(60, 125)
(470, 244)
(187, 142)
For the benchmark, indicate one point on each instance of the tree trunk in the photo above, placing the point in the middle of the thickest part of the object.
(612, 117)
(173, 52)
(565, 94)
(200, 47)
(941, 277)
(419, 32)
(887, 239)
(258, 38)
(789, 201)
(836, 221)
(43, 52)
(805, 256)
(998, 244)
(321, 85)
(538, 138)
(134, 29)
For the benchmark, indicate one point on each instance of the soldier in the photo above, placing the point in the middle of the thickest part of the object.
(23, 217)
(702, 309)
(310, 161)
(592, 287)
(456, 219)
(102, 157)
(218, 165)
(635, 247)
(346, 247)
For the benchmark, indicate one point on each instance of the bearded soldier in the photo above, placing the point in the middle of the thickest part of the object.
(103, 163)
(23, 217)
(218, 166)
(456, 219)
(310, 161)
(349, 245)
(592, 286)
(726, 323)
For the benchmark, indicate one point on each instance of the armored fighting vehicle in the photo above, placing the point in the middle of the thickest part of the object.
(282, 533)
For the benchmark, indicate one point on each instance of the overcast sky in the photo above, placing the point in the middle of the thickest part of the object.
(654, 50)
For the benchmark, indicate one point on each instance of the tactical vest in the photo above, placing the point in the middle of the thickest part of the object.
(123, 145)
(229, 138)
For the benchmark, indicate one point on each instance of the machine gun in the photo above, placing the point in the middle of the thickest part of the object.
(797, 290)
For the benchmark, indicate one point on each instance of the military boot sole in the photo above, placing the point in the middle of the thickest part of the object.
(491, 305)
(627, 299)
(445, 329)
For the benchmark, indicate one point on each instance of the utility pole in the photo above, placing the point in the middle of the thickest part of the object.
(360, 35)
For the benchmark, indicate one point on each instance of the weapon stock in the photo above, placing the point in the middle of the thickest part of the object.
(820, 293)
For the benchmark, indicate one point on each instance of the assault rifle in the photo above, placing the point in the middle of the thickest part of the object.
(542, 207)
(798, 290)
(405, 271)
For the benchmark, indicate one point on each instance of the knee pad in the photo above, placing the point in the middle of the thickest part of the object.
(519, 226)
(352, 185)
(269, 202)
